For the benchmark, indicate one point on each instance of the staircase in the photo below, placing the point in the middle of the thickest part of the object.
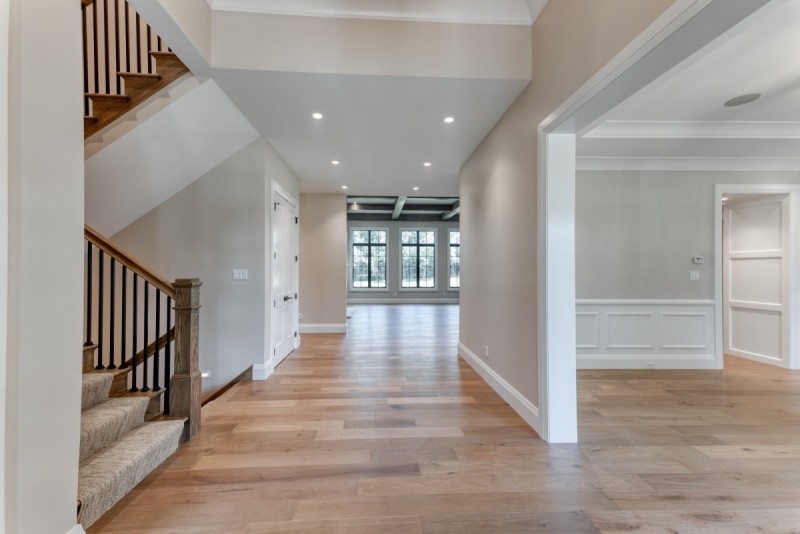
(118, 447)
(125, 62)
(141, 377)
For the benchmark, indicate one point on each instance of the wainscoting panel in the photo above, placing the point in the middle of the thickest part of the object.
(645, 334)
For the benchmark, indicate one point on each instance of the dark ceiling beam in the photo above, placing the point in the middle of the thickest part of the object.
(398, 207)
(427, 208)
(455, 209)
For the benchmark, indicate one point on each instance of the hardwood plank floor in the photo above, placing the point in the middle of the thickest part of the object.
(385, 430)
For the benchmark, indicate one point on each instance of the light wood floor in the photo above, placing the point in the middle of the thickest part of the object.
(386, 431)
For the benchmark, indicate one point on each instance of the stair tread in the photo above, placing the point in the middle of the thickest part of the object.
(111, 473)
(101, 96)
(107, 422)
(94, 389)
(140, 75)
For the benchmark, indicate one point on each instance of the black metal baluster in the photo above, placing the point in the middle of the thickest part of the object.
(100, 310)
(134, 337)
(149, 48)
(94, 50)
(145, 328)
(159, 44)
(112, 312)
(107, 61)
(127, 37)
(116, 48)
(124, 334)
(167, 355)
(85, 61)
(88, 342)
(138, 43)
(156, 358)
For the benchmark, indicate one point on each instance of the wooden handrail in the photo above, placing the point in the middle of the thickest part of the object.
(103, 243)
(87, 2)
(151, 349)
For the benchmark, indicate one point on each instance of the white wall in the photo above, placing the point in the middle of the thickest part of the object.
(45, 270)
(4, 12)
(219, 223)
(393, 293)
(636, 231)
(572, 39)
(323, 262)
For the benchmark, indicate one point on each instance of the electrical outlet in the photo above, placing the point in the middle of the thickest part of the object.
(650, 365)
(486, 351)
(240, 274)
(698, 260)
(300, 316)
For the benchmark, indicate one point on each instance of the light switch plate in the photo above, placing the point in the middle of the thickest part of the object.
(694, 275)
(240, 274)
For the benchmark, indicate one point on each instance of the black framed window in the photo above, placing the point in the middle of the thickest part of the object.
(455, 259)
(369, 259)
(418, 259)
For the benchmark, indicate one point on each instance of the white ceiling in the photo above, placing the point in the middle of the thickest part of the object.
(680, 121)
(381, 129)
(518, 12)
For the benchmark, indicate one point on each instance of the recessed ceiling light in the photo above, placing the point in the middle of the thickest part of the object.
(448, 120)
(335, 162)
(742, 100)
(427, 163)
(317, 116)
(415, 188)
(344, 187)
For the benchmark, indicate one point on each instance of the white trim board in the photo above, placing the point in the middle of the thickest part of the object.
(403, 301)
(337, 328)
(77, 529)
(645, 334)
(514, 398)
(262, 371)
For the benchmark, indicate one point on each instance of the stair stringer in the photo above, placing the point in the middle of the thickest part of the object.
(161, 155)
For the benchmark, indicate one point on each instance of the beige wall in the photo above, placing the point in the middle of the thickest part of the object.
(45, 270)
(323, 246)
(4, 12)
(219, 223)
(636, 232)
(572, 40)
(194, 19)
(375, 47)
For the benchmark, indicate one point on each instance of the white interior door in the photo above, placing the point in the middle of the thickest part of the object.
(756, 237)
(284, 277)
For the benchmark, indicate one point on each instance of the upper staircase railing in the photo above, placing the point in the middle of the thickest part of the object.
(122, 55)
(128, 318)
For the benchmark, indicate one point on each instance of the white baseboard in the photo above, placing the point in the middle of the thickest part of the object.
(262, 371)
(645, 361)
(403, 301)
(645, 334)
(323, 328)
(514, 398)
(77, 529)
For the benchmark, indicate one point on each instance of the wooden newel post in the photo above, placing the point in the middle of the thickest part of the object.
(186, 385)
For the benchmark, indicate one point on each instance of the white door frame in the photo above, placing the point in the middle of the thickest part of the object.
(793, 306)
(684, 28)
(4, 169)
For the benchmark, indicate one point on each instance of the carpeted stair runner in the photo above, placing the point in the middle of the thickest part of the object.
(112, 472)
(94, 389)
(104, 424)
(118, 449)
